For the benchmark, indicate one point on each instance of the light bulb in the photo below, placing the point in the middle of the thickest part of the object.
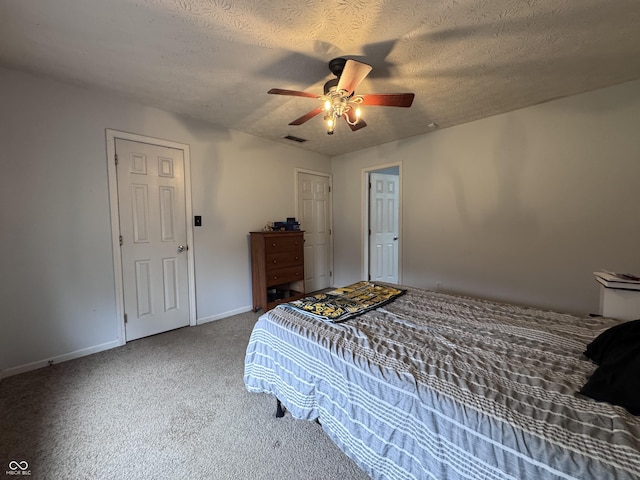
(358, 113)
(327, 105)
(330, 124)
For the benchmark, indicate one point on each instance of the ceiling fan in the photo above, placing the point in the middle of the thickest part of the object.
(340, 99)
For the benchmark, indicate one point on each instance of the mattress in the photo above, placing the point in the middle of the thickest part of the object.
(436, 386)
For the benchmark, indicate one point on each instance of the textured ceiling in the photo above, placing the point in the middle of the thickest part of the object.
(216, 59)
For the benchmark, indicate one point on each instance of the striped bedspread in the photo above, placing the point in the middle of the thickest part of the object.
(433, 386)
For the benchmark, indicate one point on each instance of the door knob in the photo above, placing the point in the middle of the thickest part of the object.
(395, 238)
(182, 248)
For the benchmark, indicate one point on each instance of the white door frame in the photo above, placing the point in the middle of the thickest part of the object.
(329, 177)
(111, 136)
(365, 217)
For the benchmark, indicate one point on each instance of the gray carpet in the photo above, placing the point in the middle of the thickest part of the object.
(164, 407)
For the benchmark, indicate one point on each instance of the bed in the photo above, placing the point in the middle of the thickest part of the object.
(436, 386)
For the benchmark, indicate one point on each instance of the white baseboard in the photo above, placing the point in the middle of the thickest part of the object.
(220, 316)
(8, 372)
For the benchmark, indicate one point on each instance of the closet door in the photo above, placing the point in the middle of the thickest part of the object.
(383, 225)
(314, 215)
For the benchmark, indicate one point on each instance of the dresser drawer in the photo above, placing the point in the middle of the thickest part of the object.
(285, 275)
(284, 243)
(284, 259)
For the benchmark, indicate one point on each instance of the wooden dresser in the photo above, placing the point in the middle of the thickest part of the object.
(277, 268)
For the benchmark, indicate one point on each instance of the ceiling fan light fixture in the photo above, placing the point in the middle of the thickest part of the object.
(340, 100)
(356, 118)
(338, 103)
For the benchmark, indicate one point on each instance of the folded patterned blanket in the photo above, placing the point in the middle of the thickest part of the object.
(343, 303)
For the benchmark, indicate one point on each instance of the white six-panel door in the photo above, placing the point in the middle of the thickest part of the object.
(153, 227)
(314, 217)
(383, 225)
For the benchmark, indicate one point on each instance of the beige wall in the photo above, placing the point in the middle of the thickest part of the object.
(519, 207)
(57, 284)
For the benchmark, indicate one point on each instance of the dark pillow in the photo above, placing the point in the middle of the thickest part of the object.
(614, 341)
(617, 351)
(616, 382)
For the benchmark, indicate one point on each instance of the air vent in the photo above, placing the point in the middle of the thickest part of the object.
(294, 139)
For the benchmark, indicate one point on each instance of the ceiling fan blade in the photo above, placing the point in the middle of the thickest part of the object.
(388, 99)
(293, 93)
(307, 116)
(351, 115)
(354, 72)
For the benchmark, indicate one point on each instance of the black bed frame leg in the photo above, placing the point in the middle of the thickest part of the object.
(279, 409)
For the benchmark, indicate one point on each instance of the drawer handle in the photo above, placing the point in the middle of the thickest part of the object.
(275, 277)
(273, 244)
(297, 273)
(275, 261)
